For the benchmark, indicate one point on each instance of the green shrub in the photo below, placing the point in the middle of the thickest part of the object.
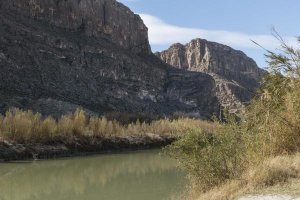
(209, 158)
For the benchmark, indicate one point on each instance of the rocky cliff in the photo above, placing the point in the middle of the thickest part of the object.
(236, 75)
(106, 19)
(56, 55)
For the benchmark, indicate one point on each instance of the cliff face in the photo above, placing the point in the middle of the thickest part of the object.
(99, 18)
(236, 75)
(56, 55)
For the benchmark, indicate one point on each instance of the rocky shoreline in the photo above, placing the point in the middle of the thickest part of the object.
(79, 146)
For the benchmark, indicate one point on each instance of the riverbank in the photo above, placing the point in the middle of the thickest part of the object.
(274, 177)
(289, 191)
(79, 146)
(28, 135)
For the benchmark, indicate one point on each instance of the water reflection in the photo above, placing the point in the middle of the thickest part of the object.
(134, 176)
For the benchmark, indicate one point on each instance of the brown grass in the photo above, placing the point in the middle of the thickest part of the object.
(25, 126)
(273, 172)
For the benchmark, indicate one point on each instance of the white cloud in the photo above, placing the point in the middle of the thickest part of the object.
(162, 33)
(124, 1)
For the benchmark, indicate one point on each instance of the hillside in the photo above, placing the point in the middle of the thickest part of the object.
(56, 56)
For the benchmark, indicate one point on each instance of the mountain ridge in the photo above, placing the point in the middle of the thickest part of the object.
(237, 76)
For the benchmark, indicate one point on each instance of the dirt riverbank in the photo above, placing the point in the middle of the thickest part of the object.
(79, 146)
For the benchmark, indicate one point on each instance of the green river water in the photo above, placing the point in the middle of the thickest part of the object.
(141, 175)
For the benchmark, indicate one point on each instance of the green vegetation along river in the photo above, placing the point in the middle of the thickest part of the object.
(133, 176)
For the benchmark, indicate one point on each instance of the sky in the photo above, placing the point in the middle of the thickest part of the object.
(231, 22)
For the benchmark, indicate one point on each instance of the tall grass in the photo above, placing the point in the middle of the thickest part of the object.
(26, 126)
(273, 172)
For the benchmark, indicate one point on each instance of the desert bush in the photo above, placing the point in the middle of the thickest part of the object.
(19, 125)
(210, 158)
(65, 126)
(273, 118)
(46, 128)
(79, 122)
(126, 118)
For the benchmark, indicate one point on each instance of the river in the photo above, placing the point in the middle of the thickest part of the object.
(143, 175)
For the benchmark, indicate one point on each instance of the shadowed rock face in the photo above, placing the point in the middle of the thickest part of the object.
(107, 19)
(56, 55)
(236, 75)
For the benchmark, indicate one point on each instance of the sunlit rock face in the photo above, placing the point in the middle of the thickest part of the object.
(236, 75)
(57, 55)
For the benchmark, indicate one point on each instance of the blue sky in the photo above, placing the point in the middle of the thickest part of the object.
(231, 22)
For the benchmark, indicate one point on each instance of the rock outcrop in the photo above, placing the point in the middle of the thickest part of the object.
(236, 75)
(57, 55)
(106, 19)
